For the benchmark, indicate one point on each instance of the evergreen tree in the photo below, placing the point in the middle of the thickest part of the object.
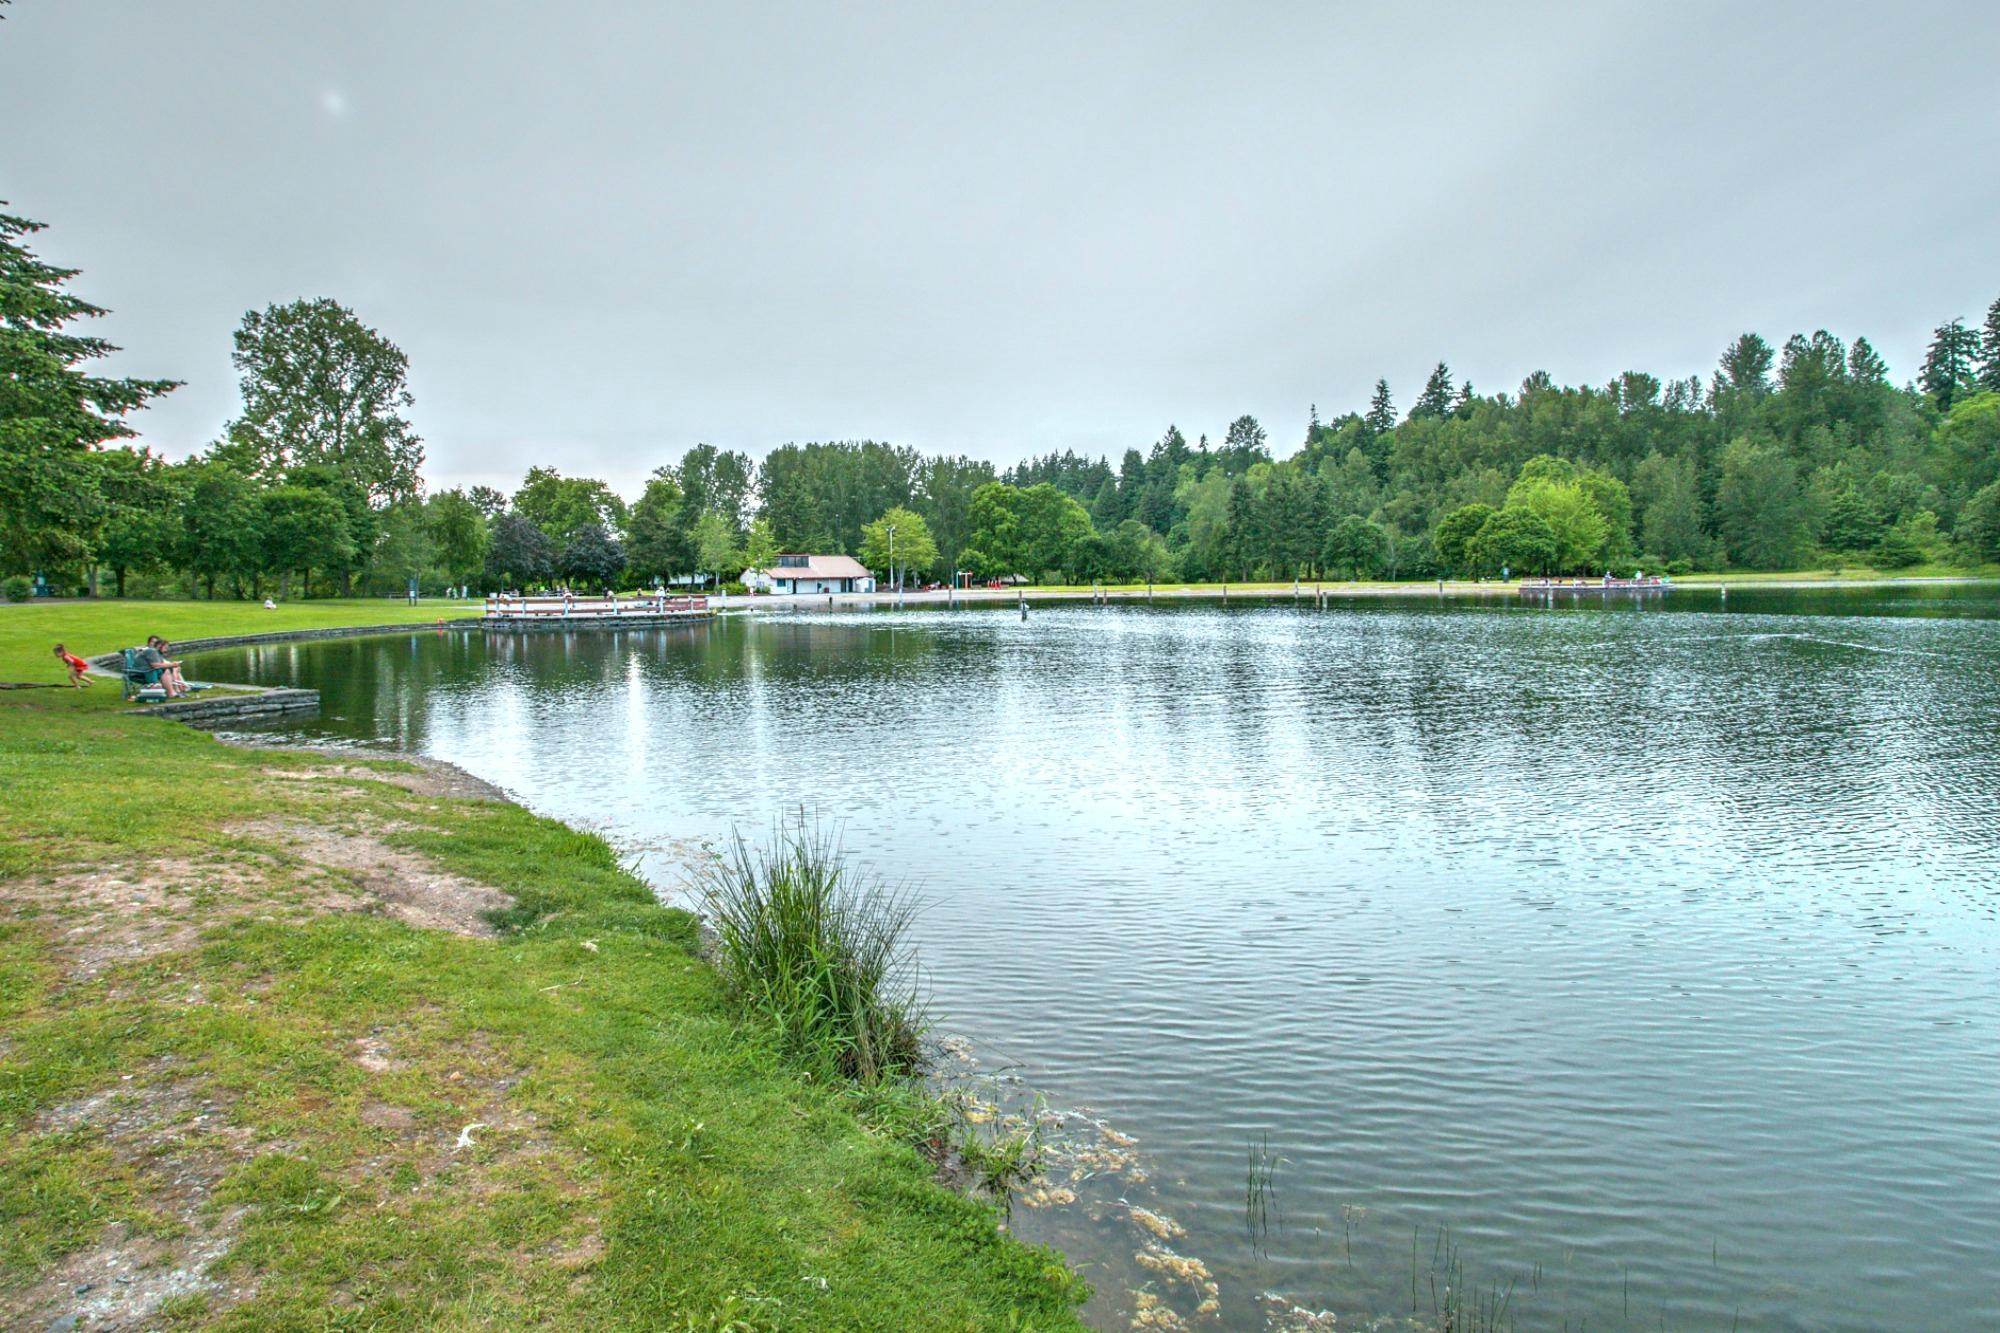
(1948, 372)
(1763, 513)
(1979, 524)
(1435, 401)
(1864, 365)
(1989, 365)
(1381, 418)
(1669, 503)
(52, 415)
(1246, 535)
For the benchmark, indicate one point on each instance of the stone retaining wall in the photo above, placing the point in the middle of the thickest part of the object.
(202, 712)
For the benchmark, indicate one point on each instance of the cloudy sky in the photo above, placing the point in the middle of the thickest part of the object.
(606, 231)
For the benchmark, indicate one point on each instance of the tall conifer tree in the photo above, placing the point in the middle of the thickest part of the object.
(1949, 365)
(1989, 364)
(52, 414)
(1435, 400)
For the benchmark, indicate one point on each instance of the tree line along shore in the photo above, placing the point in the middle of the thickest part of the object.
(1807, 455)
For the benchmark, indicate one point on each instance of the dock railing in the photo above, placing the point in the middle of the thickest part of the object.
(1654, 583)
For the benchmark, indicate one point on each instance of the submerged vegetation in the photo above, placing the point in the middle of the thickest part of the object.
(1260, 1194)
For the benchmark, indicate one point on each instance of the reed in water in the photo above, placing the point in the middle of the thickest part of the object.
(819, 949)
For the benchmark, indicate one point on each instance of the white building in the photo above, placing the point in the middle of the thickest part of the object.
(810, 574)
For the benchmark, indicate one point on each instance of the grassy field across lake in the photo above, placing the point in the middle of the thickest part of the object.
(295, 1040)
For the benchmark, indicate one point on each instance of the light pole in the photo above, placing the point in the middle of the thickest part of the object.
(892, 558)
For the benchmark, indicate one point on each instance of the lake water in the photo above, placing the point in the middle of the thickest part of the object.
(1642, 956)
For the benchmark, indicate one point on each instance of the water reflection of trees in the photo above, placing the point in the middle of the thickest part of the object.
(1633, 722)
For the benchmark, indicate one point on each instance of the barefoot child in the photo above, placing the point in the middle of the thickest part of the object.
(77, 667)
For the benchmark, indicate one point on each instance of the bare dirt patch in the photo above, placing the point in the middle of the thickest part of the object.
(374, 1054)
(399, 883)
(182, 1141)
(109, 915)
(123, 1278)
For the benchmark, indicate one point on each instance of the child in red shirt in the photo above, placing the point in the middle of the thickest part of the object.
(77, 667)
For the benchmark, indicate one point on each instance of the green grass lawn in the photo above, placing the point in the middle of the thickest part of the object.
(233, 1071)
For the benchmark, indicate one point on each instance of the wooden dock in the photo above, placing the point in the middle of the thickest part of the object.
(638, 612)
(1549, 587)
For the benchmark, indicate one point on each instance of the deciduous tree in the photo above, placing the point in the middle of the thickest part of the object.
(591, 558)
(912, 547)
(560, 506)
(1454, 535)
(661, 544)
(322, 389)
(715, 546)
(459, 533)
(1356, 547)
(221, 525)
(303, 528)
(1515, 540)
(520, 554)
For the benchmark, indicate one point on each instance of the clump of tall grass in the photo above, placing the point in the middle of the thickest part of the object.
(819, 949)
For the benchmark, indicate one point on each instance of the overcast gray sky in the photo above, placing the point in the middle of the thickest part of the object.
(606, 231)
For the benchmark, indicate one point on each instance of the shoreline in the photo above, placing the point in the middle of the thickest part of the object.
(1304, 591)
(273, 1004)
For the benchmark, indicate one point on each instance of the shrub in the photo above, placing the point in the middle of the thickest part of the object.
(17, 588)
(818, 950)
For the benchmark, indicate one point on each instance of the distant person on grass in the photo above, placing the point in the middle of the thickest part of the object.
(78, 668)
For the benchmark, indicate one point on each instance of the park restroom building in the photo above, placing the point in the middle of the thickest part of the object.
(810, 574)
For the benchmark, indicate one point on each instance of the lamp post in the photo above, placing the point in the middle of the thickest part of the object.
(892, 564)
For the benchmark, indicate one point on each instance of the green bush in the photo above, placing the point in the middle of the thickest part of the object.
(17, 588)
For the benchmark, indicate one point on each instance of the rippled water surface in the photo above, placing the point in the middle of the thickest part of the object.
(1645, 957)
